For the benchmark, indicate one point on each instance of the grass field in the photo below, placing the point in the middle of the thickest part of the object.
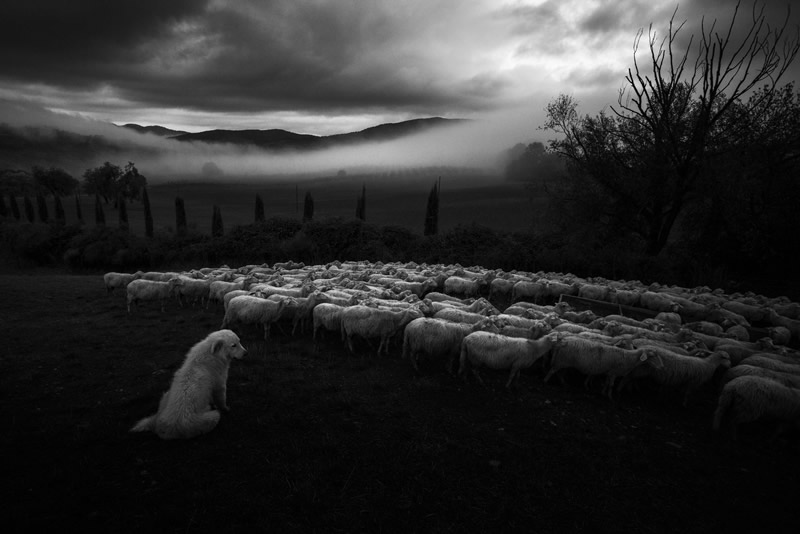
(391, 200)
(319, 440)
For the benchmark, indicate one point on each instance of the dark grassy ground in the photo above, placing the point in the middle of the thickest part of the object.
(318, 440)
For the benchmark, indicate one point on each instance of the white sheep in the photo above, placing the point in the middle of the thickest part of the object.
(680, 371)
(533, 290)
(147, 290)
(658, 302)
(219, 288)
(761, 360)
(749, 398)
(457, 285)
(438, 338)
(328, 316)
(114, 280)
(789, 380)
(501, 352)
(459, 316)
(249, 309)
(592, 358)
(792, 325)
(193, 290)
(370, 323)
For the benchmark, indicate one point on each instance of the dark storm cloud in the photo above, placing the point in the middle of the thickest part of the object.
(82, 43)
(237, 56)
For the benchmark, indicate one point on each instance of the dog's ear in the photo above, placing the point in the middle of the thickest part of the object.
(217, 347)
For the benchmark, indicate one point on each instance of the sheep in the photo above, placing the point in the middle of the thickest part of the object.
(500, 352)
(792, 325)
(671, 319)
(435, 296)
(760, 360)
(534, 290)
(438, 338)
(554, 289)
(787, 379)
(681, 371)
(327, 315)
(595, 292)
(457, 285)
(780, 334)
(459, 316)
(593, 358)
(417, 288)
(630, 321)
(738, 332)
(626, 297)
(267, 290)
(374, 322)
(218, 288)
(249, 309)
(151, 290)
(706, 327)
(226, 299)
(658, 302)
(305, 308)
(726, 318)
(193, 289)
(749, 398)
(753, 314)
(114, 280)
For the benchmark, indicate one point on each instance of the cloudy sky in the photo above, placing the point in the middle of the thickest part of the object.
(325, 66)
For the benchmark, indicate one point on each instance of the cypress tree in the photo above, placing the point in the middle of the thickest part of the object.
(99, 216)
(361, 204)
(216, 222)
(148, 214)
(29, 213)
(78, 209)
(14, 207)
(123, 213)
(259, 209)
(3, 208)
(180, 216)
(41, 204)
(308, 207)
(61, 218)
(432, 212)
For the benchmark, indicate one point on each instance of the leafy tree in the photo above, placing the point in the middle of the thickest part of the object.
(308, 207)
(432, 212)
(216, 222)
(148, 214)
(123, 213)
(29, 213)
(361, 204)
(55, 181)
(131, 183)
(102, 181)
(259, 218)
(180, 217)
(99, 216)
(532, 163)
(61, 217)
(647, 160)
(41, 204)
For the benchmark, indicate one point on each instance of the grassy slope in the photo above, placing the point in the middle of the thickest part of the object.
(318, 439)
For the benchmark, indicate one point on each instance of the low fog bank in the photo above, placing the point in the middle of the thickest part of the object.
(477, 144)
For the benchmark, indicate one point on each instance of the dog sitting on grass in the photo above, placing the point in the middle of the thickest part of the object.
(185, 410)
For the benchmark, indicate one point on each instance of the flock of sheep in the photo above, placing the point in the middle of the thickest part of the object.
(633, 335)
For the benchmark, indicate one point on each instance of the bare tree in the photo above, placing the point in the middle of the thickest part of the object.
(673, 119)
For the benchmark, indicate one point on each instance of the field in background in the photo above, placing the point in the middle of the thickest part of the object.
(392, 199)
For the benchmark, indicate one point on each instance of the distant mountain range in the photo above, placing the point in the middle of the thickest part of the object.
(276, 139)
(24, 147)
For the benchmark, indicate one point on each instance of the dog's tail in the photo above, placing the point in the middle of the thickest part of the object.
(148, 424)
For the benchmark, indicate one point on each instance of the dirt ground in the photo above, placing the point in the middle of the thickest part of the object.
(319, 440)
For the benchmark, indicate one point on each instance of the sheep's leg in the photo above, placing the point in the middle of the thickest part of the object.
(513, 374)
(477, 375)
(550, 373)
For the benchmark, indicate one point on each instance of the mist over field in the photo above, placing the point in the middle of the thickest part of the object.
(471, 144)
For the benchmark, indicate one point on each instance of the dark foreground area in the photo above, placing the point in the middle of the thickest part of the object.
(319, 440)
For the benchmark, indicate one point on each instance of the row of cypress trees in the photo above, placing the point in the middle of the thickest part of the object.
(431, 212)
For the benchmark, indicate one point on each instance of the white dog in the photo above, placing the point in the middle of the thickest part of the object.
(185, 410)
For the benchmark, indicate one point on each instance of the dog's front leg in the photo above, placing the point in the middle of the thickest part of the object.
(220, 398)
